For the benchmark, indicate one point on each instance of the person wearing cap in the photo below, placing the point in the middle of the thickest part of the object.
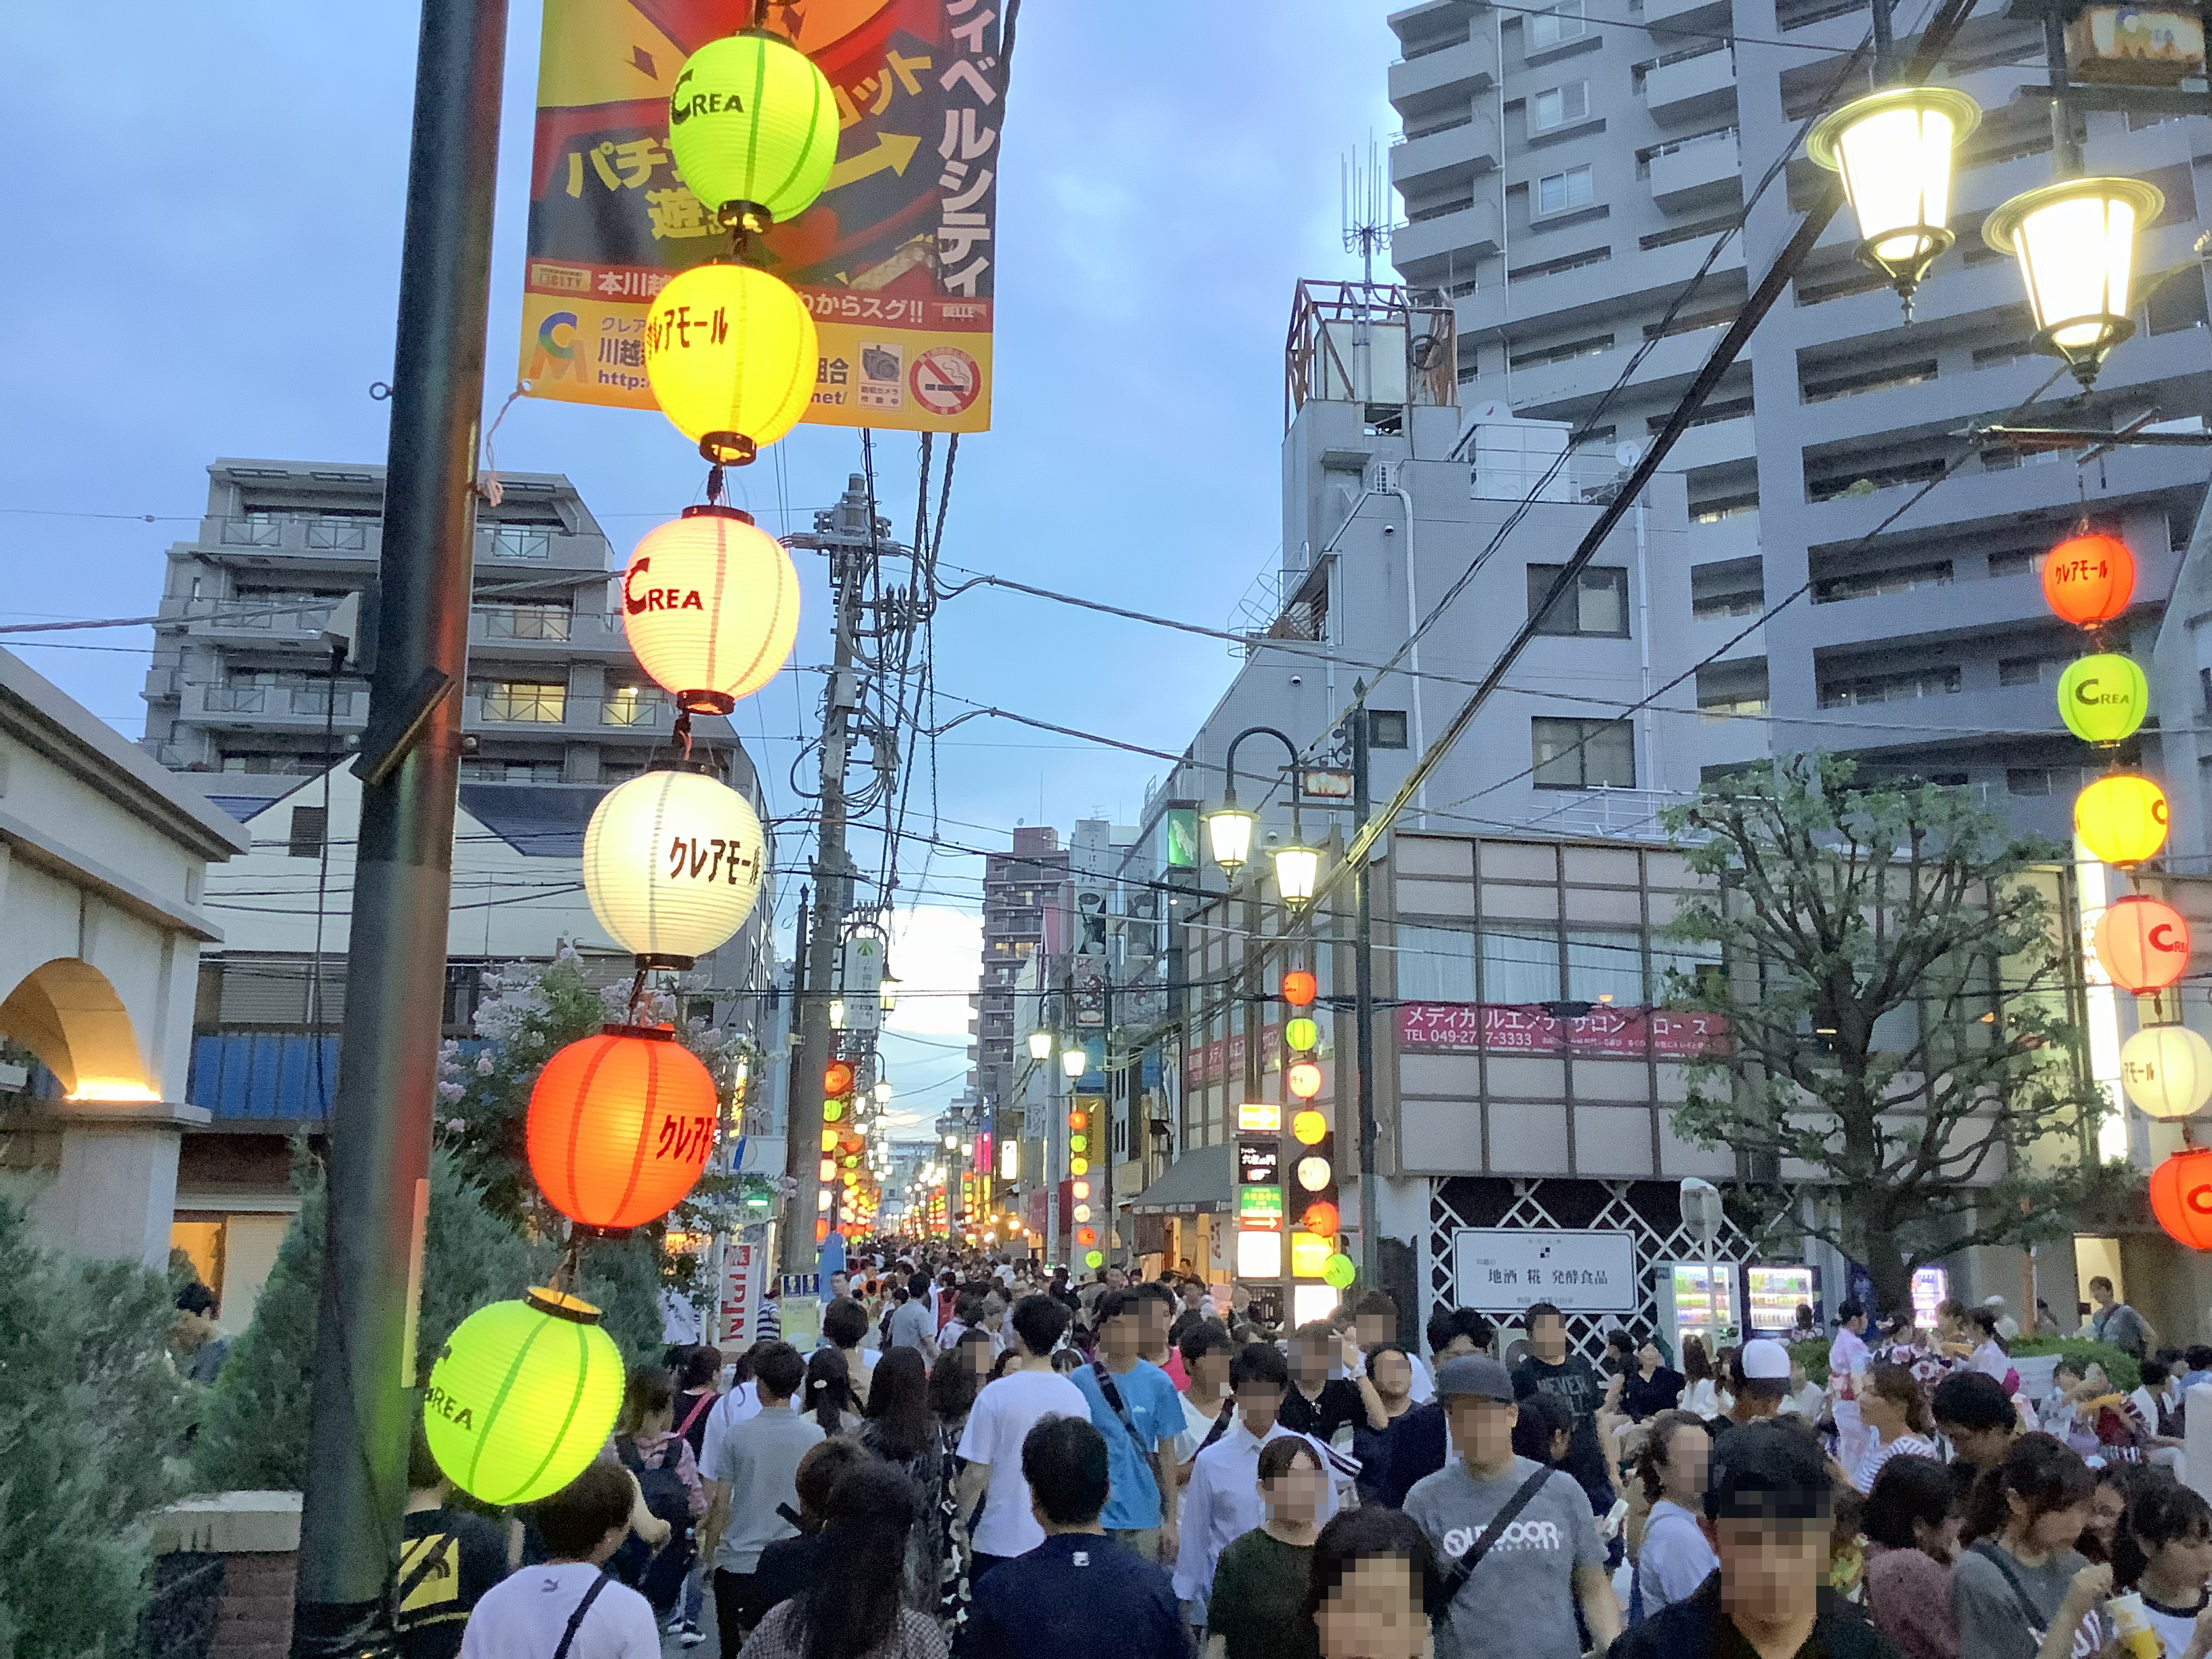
(1768, 1501)
(1759, 1375)
(1522, 1596)
(2007, 1327)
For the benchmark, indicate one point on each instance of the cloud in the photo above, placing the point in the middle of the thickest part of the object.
(937, 952)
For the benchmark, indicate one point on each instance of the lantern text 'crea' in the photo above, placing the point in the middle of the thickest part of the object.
(522, 1396)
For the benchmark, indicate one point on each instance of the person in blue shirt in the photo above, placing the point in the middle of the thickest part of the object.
(1135, 1406)
(1076, 1596)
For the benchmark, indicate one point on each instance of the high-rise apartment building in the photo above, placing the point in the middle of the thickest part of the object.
(241, 683)
(1563, 175)
(1023, 898)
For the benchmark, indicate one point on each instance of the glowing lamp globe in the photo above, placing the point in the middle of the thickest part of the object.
(710, 605)
(2142, 945)
(1304, 1080)
(2166, 1071)
(1094, 1258)
(2181, 1197)
(1894, 150)
(1319, 1218)
(1308, 1128)
(2087, 579)
(1301, 1033)
(1338, 1272)
(522, 1396)
(2121, 818)
(1299, 987)
(836, 1078)
(2074, 241)
(620, 1126)
(753, 127)
(1297, 869)
(1074, 1061)
(672, 863)
(732, 355)
(1314, 1173)
(2103, 698)
(1229, 833)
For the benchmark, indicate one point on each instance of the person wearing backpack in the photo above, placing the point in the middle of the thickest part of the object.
(570, 1606)
(1514, 1541)
(2021, 1589)
(649, 1446)
(448, 1558)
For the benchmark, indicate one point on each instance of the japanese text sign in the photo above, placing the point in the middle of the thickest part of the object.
(1504, 1269)
(1530, 1028)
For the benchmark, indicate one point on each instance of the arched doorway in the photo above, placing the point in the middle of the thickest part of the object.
(67, 1013)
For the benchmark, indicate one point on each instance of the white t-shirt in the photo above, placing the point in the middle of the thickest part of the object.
(522, 1616)
(1004, 1412)
(725, 1414)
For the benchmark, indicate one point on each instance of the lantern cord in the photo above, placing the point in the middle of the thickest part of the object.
(637, 994)
(715, 485)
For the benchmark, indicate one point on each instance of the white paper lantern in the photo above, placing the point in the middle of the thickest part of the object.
(672, 863)
(710, 604)
(2166, 1070)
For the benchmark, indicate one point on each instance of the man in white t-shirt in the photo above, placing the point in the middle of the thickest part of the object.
(1004, 1412)
(570, 1607)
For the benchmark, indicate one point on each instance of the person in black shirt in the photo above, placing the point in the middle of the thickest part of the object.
(447, 1559)
(1319, 1404)
(1650, 1385)
(1549, 1368)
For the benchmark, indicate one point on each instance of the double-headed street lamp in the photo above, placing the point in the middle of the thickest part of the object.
(1229, 830)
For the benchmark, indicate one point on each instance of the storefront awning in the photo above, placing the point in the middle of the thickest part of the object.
(1197, 1183)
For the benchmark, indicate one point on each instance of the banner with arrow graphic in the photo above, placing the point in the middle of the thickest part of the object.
(894, 260)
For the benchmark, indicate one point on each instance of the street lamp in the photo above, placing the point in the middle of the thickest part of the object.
(2074, 241)
(1893, 150)
(888, 992)
(1229, 833)
(1074, 1061)
(1229, 829)
(1040, 1045)
(1297, 872)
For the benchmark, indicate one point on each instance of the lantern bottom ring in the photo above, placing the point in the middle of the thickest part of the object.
(744, 216)
(728, 449)
(662, 959)
(705, 702)
(561, 1305)
(1926, 244)
(2083, 356)
(583, 1233)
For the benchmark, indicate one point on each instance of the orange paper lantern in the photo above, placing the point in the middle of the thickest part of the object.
(620, 1126)
(836, 1079)
(2181, 1196)
(1298, 987)
(2142, 945)
(2089, 580)
(1319, 1218)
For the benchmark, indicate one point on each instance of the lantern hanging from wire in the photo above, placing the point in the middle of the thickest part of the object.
(2074, 241)
(620, 1126)
(522, 1395)
(732, 355)
(2103, 698)
(2088, 579)
(2142, 945)
(2121, 817)
(2181, 1197)
(672, 864)
(1892, 149)
(753, 126)
(710, 605)
(2166, 1071)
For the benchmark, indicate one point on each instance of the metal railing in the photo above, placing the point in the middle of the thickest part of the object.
(524, 622)
(546, 705)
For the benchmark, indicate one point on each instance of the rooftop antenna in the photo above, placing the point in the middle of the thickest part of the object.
(1366, 195)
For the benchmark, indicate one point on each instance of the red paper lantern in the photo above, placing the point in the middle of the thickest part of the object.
(1298, 987)
(1321, 1219)
(2142, 945)
(2181, 1196)
(836, 1079)
(2088, 580)
(620, 1126)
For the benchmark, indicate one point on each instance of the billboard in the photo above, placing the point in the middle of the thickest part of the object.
(894, 260)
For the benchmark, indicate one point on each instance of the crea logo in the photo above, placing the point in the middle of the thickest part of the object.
(637, 600)
(550, 343)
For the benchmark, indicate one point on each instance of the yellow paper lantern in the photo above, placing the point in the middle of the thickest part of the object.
(710, 605)
(1309, 1255)
(753, 126)
(672, 863)
(2121, 818)
(1308, 1128)
(2166, 1071)
(732, 355)
(522, 1396)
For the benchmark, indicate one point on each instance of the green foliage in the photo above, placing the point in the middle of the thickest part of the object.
(622, 1277)
(1895, 989)
(1812, 1354)
(90, 1410)
(2124, 1369)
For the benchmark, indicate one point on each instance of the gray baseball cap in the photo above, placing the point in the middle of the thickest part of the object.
(1474, 1375)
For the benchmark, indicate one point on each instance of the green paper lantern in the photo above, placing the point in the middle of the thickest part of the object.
(2103, 698)
(1094, 1259)
(523, 1395)
(1301, 1033)
(753, 126)
(1338, 1272)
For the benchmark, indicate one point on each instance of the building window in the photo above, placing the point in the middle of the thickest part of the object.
(524, 622)
(1907, 687)
(1563, 23)
(523, 700)
(1597, 604)
(1555, 192)
(2030, 670)
(1561, 105)
(629, 705)
(514, 542)
(309, 825)
(1435, 964)
(1385, 728)
(1583, 754)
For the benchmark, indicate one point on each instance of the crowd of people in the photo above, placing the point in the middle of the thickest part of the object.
(981, 1462)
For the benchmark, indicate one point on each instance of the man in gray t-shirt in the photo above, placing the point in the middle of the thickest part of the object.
(911, 1327)
(1522, 1597)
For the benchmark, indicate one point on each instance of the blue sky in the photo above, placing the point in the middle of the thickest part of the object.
(207, 243)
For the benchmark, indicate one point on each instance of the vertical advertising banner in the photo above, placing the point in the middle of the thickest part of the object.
(895, 259)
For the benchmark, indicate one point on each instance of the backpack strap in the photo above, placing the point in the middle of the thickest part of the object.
(692, 1416)
(1104, 1379)
(432, 1558)
(1220, 1426)
(576, 1619)
(1463, 1569)
(1990, 1552)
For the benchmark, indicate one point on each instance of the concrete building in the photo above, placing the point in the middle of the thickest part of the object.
(1563, 174)
(242, 680)
(104, 862)
(1024, 901)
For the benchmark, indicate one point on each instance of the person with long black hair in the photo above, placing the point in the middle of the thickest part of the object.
(2021, 1589)
(901, 1429)
(828, 1398)
(855, 1611)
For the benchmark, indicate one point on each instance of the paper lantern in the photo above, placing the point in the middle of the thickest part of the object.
(672, 863)
(1301, 1034)
(2166, 1071)
(2142, 945)
(2103, 698)
(732, 355)
(1299, 987)
(522, 1396)
(1338, 1272)
(753, 127)
(1320, 1219)
(2181, 1196)
(2089, 580)
(2121, 817)
(620, 1126)
(1308, 1128)
(1305, 1080)
(1313, 1173)
(1094, 1258)
(710, 605)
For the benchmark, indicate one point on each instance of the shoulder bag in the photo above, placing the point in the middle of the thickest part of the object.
(1463, 1569)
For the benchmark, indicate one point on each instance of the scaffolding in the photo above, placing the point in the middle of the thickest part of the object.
(1378, 343)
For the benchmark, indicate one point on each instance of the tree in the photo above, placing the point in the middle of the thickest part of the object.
(1895, 982)
(90, 1413)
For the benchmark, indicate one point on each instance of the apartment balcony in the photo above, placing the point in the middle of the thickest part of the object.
(545, 633)
(340, 539)
(1956, 723)
(1425, 249)
(556, 714)
(1706, 171)
(1701, 85)
(1971, 498)
(1687, 14)
(1461, 69)
(1560, 386)
(272, 708)
(1717, 443)
(1447, 155)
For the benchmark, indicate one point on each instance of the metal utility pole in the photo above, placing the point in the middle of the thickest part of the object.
(851, 547)
(1363, 1010)
(1113, 1232)
(409, 765)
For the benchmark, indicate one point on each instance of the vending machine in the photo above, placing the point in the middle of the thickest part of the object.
(1687, 1306)
(1774, 1292)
